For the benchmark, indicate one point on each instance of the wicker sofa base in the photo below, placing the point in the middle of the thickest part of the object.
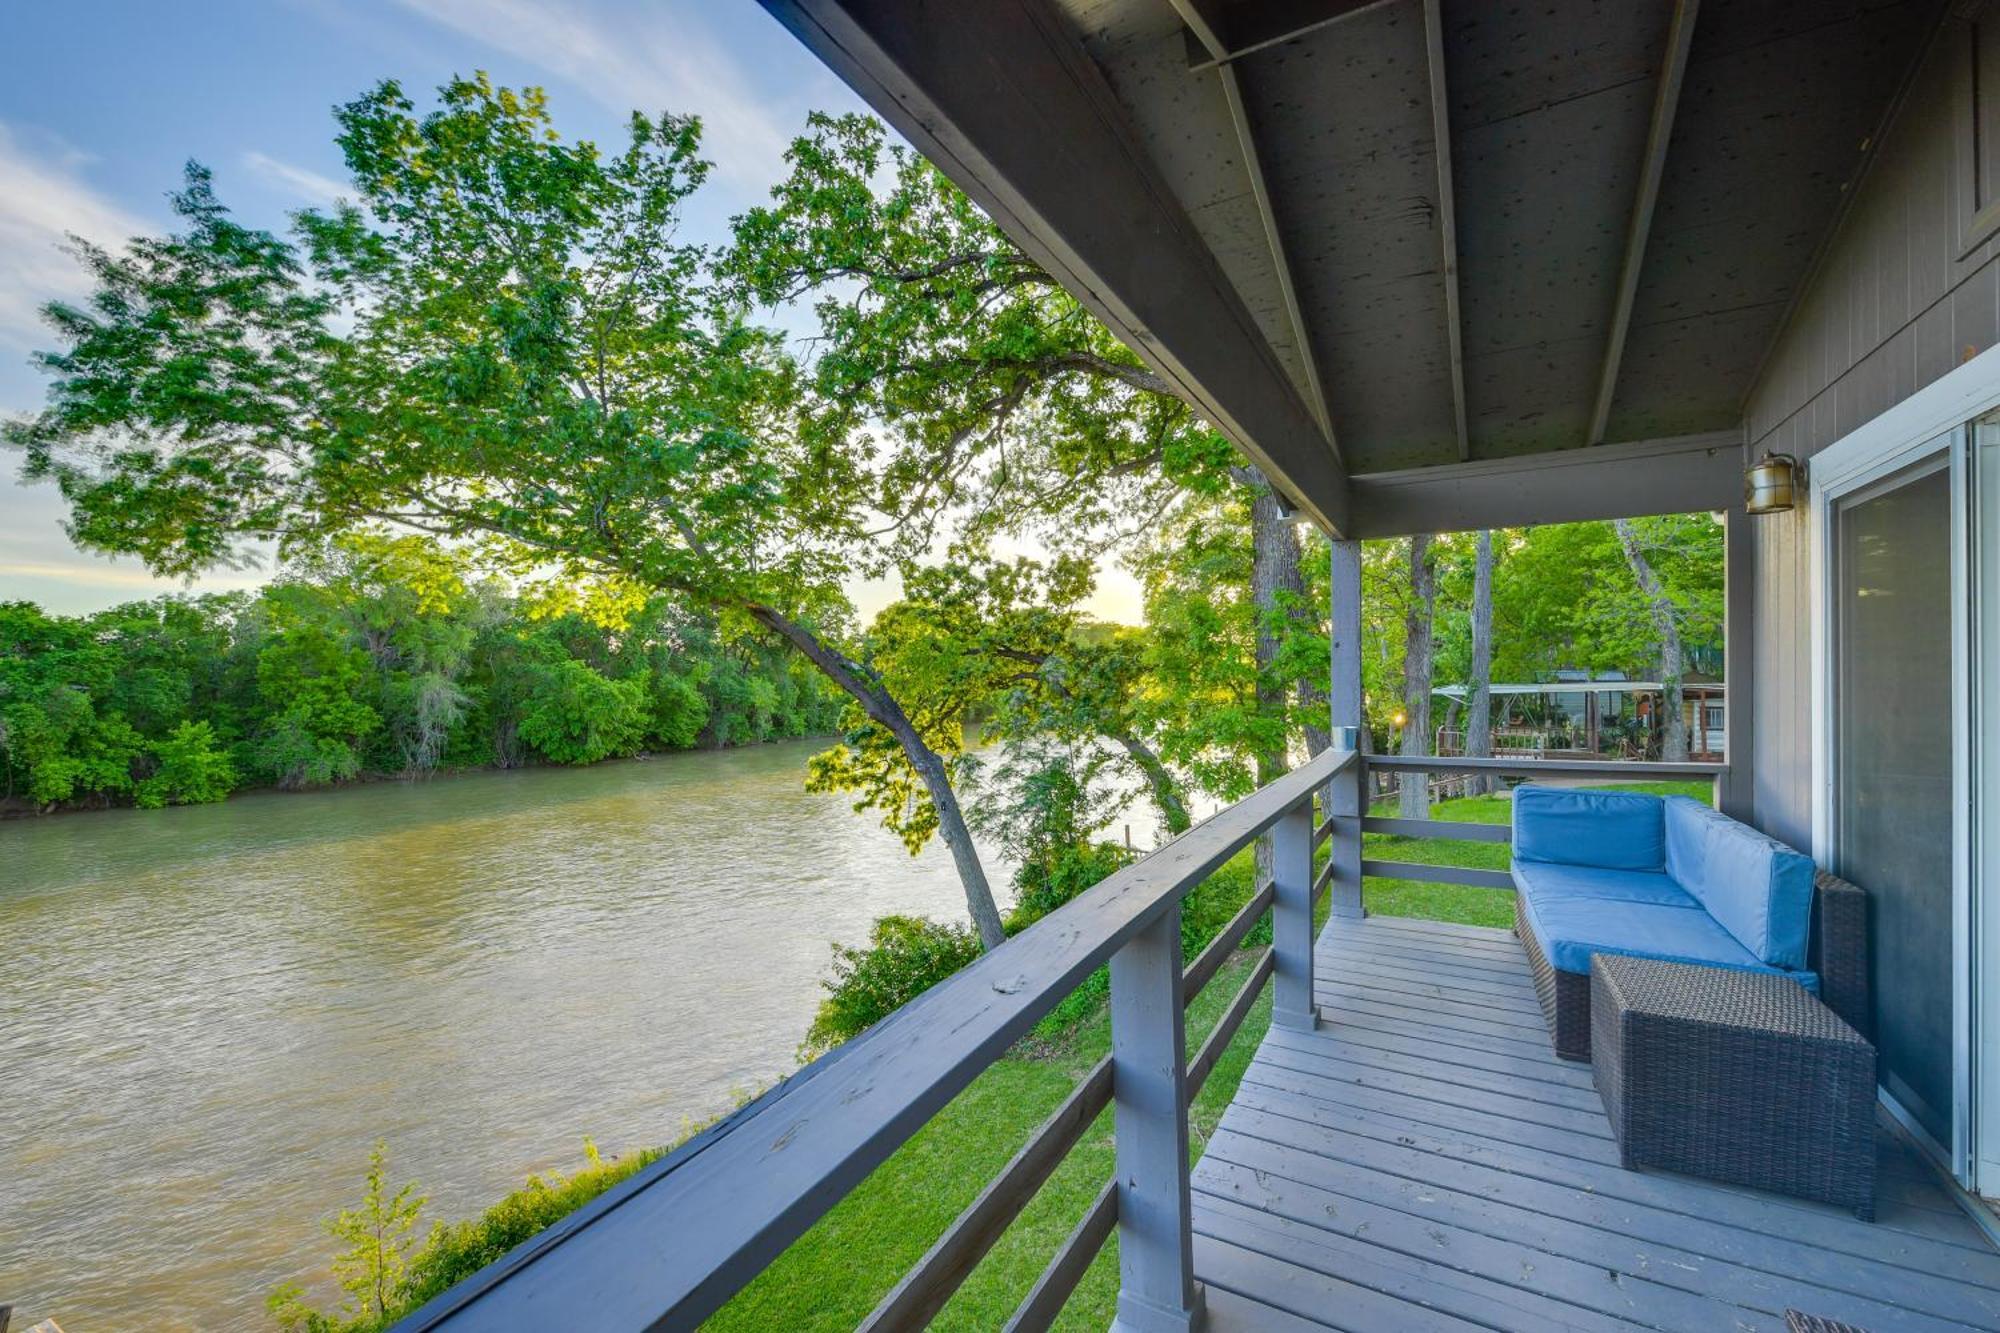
(1734, 1076)
(1565, 996)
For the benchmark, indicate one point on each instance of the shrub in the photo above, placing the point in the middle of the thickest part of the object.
(905, 956)
(193, 769)
(577, 716)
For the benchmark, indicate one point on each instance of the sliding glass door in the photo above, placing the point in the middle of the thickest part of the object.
(1892, 771)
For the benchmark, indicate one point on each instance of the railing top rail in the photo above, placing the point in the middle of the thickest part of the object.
(669, 1246)
(1632, 768)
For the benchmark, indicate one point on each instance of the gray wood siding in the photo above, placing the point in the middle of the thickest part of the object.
(1891, 307)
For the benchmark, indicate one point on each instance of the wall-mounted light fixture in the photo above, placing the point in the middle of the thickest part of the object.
(1772, 485)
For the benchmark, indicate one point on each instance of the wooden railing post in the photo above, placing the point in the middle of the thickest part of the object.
(1292, 918)
(1157, 1291)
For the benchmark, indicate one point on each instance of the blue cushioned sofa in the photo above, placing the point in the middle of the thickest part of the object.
(1620, 872)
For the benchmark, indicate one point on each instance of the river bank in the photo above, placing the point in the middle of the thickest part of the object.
(19, 807)
(213, 1011)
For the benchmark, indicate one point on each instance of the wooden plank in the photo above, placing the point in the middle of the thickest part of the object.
(1346, 715)
(1520, 1269)
(1255, 28)
(682, 1236)
(1758, 1271)
(1240, 1217)
(1418, 1098)
(1666, 100)
(1684, 474)
(1038, 1310)
(1471, 982)
(1516, 1020)
(927, 1286)
(1632, 770)
(1444, 1058)
(1004, 99)
(1325, 1051)
(1149, 1096)
(1292, 920)
(1230, 1312)
(1430, 874)
(1462, 830)
(1303, 1293)
(1447, 220)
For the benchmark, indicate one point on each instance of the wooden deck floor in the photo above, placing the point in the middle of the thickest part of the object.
(1425, 1162)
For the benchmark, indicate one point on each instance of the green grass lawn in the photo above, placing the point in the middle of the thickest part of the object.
(834, 1274)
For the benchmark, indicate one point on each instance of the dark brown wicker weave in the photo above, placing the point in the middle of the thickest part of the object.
(1736, 1076)
(1797, 1321)
(1565, 996)
(1837, 950)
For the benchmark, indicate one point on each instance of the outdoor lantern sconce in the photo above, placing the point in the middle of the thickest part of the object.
(1772, 485)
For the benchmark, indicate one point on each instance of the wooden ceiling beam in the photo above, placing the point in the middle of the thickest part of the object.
(1265, 25)
(1447, 219)
(1681, 475)
(1002, 96)
(1666, 99)
(1202, 20)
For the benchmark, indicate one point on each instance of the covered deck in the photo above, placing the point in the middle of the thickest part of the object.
(1424, 1161)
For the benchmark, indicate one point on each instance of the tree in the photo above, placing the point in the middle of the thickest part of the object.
(375, 1264)
(1417, 643)
(1666, 623)
(501, 344)
(193, 769)
(576, 716)
(1479, 695)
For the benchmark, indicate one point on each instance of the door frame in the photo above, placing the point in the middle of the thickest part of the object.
(1935, 419)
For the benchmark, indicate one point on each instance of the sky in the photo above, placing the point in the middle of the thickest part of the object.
(102, 103)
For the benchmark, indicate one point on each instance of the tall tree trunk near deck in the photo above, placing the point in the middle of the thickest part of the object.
(1417, 654)
(1479, 697)
(1666, 623)
(865, 688)
(1274, 575)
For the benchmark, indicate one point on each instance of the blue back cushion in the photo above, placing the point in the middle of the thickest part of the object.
(1757, 888)
(1580, 827)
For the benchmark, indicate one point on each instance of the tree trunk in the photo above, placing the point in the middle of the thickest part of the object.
(1274, 569)
(863, 686)
(1666, 623)
(1166, 792)
(1417, 653)
(1479, 697)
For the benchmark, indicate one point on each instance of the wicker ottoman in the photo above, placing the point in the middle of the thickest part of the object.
(1737, 1076)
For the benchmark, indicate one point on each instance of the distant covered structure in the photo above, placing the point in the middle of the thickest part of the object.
(1561, 717)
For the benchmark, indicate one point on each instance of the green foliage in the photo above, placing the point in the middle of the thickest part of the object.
(193, 769)
(905, 956)
(576, 716)
(373, 1267)
(367, 658)
(387, 1276)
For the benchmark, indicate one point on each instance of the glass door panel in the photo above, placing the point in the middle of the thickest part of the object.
(1892, 769)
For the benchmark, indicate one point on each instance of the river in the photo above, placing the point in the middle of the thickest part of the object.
(208, 1015)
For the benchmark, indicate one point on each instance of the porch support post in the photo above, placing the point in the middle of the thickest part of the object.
(1157, 1291)
(1345, 793)
(1292, 919)
(1737, 794)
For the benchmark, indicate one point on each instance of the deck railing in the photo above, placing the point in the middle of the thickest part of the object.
(669, 1246)
(1459, 830)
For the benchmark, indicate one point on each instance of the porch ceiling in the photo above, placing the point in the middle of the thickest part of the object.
(1563, 223)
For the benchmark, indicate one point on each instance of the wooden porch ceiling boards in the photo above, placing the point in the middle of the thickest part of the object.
(1454, 230)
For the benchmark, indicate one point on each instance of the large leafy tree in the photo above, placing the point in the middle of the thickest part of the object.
(502, 342)
(1009, 403)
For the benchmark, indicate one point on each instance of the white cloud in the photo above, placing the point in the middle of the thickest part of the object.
(44, 198)
(654, 58)
(310, 185)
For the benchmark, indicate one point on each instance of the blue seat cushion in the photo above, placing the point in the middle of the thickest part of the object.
(1577, 826)
(1571, 929)
(1758, 889)
(1541, 880)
